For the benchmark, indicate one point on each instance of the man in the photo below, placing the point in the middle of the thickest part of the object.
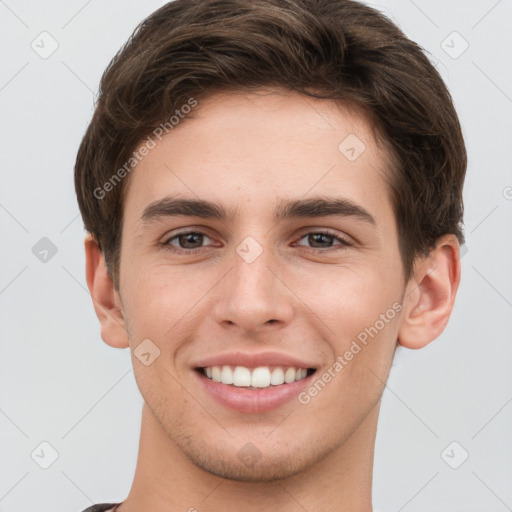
(273, 195)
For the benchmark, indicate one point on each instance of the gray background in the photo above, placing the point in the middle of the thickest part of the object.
(60, 384)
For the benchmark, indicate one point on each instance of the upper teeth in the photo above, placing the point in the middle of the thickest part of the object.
(261, 377)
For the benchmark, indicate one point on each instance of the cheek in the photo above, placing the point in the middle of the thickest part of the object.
(348, 300)
(362, 313)
(161, 297)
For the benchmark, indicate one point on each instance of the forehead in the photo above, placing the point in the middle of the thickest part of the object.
(249, 151)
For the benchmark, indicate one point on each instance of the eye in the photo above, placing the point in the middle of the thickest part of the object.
(186, 241)
(323, 240)
(192, 241)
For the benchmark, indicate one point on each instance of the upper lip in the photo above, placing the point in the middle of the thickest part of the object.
(253, 360)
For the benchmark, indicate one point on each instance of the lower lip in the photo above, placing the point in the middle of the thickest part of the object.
(253, 400)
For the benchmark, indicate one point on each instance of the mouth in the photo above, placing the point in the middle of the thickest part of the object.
(261, 377)
(253, 389)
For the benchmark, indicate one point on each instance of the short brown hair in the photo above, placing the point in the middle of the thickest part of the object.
(337, 49)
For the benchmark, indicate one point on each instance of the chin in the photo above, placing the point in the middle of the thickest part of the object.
(266, 469)
(261, 461)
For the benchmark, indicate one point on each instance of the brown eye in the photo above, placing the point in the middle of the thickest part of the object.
(188, 240)
(321, 240)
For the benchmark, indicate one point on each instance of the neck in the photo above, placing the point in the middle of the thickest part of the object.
(166, 480)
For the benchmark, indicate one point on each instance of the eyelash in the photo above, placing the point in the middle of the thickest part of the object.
(343, 242)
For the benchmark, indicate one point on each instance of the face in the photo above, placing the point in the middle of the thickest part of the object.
(259, 245)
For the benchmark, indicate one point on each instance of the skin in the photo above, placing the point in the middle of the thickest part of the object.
(247, 152)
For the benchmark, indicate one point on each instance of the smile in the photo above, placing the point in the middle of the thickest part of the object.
(255, 378)
(253, 388)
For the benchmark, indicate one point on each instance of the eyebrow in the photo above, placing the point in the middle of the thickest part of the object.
(286, 209)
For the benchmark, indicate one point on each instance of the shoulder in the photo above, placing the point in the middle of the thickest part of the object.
(100, 507)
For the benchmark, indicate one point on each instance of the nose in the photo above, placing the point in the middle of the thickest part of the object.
(254, 296)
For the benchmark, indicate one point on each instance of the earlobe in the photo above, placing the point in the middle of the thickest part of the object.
(106, 301)
(430, 295)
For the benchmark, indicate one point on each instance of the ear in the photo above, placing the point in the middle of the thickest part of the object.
(106, 300)
(430, 294)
